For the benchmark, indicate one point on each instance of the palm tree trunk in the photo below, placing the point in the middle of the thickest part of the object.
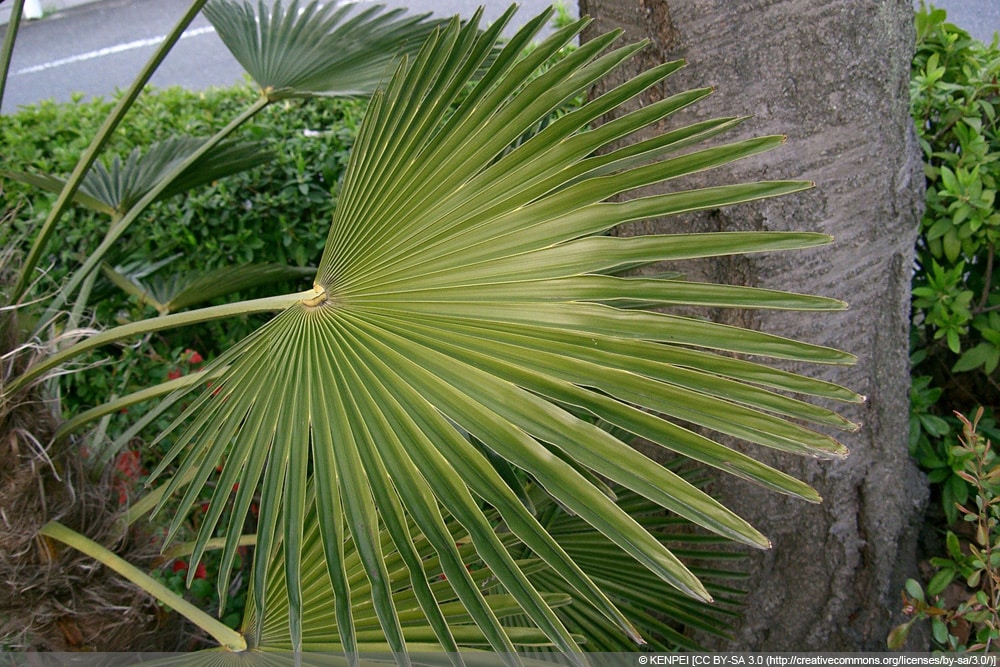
(832, 76)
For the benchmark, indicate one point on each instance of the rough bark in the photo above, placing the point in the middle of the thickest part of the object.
(833, 77)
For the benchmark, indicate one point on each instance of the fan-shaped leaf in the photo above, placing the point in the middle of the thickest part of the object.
(115, 187)
(456, 243)
(183, 290)
(331, 49)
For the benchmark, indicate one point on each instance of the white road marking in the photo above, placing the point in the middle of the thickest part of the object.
(109, 50)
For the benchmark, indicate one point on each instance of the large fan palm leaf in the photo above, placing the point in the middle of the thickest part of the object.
(461, 316)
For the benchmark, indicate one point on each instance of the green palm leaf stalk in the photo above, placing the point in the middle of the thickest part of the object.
(182, 290)
(463, 294)
(7, 47)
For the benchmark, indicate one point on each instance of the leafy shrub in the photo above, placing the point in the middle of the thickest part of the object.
(956, 300)
(955, 336)
(955, 97)
(966, 618)
(278, 212)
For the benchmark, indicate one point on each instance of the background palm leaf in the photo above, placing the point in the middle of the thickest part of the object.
(426, 599)
(660, 610)
(114, 187)
(177, 291)
(458, 295)
(317, 49)
(422, 570)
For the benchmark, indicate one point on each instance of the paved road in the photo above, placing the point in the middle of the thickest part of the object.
(97, 47)
(980, 17)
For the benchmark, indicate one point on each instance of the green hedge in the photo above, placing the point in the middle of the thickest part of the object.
(276, 212)
(279, 211)
(955, 99)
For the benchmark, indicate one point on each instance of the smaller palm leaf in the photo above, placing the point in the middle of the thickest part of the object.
(657, 609)
(427, 591)
(116, 186)
(426, 588)
(169, 294)
(332, 50)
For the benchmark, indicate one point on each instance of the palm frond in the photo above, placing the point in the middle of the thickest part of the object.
(332, 49)
(431, 588)
(646, 600)
(182, 290)
(115, 187)
(459, 295)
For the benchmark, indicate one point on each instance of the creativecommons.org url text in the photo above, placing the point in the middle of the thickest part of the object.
(787, 660)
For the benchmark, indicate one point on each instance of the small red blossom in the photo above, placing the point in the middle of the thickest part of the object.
(180, 565)
(193, 357)
(128, 469)
(174, 373)
(200, 572)
(128, 464)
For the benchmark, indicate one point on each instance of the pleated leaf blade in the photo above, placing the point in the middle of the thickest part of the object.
(316, 49)
(456, 241)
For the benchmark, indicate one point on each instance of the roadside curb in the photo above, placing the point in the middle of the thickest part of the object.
(49, 7)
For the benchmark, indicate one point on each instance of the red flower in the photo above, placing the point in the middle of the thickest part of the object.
(193, 357)
(127, 464)
(127, 471)
(174, 373)
(199, 572)
(180, 565)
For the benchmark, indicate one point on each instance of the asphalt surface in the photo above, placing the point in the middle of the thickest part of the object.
(980, 17)
(91, 49)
